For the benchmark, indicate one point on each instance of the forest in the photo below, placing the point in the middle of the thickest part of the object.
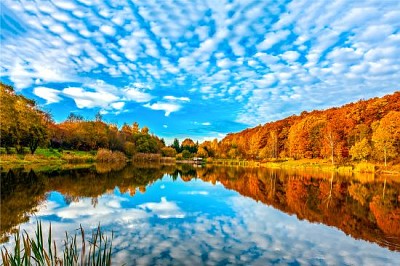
(367, 130)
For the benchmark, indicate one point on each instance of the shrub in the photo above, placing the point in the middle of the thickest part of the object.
(168, 152)
(186, 154)
(365, 167)
(105, 155)
(179, 157)
(76, 158)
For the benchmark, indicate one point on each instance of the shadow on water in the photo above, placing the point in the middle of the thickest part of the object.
(362, 207)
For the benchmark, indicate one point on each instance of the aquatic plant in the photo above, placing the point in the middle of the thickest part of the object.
(34, 250)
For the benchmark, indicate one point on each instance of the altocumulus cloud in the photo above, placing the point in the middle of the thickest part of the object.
(248, 61)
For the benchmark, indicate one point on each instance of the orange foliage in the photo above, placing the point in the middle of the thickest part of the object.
(328, 134)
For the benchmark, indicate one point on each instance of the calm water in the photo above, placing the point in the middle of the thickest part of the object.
(214, 216)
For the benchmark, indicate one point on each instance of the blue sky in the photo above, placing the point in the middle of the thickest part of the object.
(199, 69)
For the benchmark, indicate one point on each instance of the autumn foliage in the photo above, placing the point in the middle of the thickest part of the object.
(365, 130)
(24, 125)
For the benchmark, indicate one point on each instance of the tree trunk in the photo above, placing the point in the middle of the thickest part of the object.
(384, 150)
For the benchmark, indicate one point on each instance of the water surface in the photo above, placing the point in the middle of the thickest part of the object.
(163, 215)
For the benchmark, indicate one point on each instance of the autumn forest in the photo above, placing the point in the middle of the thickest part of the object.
(367, 130)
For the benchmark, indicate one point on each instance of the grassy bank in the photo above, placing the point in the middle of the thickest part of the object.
(48, 156)
(314, 164)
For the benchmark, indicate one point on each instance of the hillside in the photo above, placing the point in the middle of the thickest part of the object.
(364, 130)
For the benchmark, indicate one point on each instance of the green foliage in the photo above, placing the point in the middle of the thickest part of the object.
(186, 154)
(168, 152)
(176, 145)
(146, 143)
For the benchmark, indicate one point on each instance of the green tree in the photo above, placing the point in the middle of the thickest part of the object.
(176, 145)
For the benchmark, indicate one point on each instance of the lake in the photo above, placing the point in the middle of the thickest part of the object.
(183, 215)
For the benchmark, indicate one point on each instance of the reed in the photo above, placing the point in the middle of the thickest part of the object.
(77, 158)
(37, 251)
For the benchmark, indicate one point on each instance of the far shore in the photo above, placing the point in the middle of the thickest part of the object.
(44, 157)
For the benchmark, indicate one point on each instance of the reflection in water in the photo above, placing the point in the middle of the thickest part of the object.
(201, 214)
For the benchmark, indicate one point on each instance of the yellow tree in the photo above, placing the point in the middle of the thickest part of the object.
(361, 150)
(386, 135)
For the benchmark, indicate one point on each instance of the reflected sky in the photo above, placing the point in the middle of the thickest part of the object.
(196, 222)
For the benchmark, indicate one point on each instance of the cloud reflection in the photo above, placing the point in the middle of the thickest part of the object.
(250, 233)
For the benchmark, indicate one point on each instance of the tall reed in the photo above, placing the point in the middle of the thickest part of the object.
(35, 251)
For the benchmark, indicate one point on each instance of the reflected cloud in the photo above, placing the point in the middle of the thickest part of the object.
(163, 209)
(202, 192)
(222, 228)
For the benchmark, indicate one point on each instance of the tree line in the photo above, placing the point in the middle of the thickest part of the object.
(364, 130)
(24, 125)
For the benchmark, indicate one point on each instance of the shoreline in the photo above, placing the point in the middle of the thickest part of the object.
(72, 158)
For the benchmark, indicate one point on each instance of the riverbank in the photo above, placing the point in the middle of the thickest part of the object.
(314, 164)
(49, 156)
(55, 157)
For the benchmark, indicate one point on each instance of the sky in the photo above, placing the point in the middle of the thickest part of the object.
(198, 69)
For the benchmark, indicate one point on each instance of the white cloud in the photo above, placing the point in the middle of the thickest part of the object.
(50, 95)
(272, 38)
(89, 99)
(206, 124)
(137, 95)
(173, 98)
(106, 29)
(290, 56)
(163, 209)
(118, 105)
(168, 108)
(221, 51)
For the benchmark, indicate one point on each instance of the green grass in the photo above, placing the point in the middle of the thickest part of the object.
(36, 250)
(48, 153)
(49, 156)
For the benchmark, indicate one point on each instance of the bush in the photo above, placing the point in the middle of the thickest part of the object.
(129, 148)
(365, 167)
(105, 155)
(168, 152)
(77, 158)
(179, 157)
(186, 154)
